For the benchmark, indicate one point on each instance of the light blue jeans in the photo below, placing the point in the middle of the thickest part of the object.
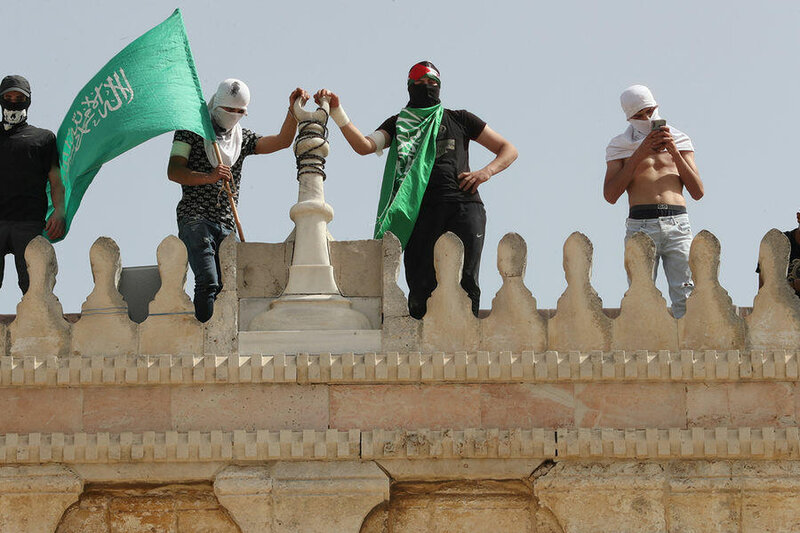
(673, 238)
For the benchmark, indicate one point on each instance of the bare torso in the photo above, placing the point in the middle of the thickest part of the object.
(656, 181)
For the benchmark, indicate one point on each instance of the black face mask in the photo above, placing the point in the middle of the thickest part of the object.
(423, 95)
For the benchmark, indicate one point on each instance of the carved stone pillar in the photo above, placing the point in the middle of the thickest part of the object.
(33, 498)
(312, 497)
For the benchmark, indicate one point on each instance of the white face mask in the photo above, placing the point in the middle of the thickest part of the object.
(644, 126)
(225, 119)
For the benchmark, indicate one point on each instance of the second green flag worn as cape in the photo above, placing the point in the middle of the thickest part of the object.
(407, 171)
(149, 88)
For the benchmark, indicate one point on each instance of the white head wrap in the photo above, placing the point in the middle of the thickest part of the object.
(634, 99)
(231, 93)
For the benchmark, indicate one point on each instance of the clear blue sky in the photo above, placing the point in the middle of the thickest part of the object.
(546, 75)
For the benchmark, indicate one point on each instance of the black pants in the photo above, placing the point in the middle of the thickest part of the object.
(14, 238)
(468, 221)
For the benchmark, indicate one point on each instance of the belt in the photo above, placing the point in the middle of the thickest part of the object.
(644, 211)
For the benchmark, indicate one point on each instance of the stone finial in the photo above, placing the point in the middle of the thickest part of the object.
(223, 328)
(449, 324)
(644, 322)
(579, 323)
(774, 323)
(710, 322)
(514, 323)
(104, 327)
(171, 327)
(400, 331)
(40, 327)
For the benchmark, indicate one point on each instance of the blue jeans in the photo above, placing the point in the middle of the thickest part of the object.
(673, 238)
(202, 239)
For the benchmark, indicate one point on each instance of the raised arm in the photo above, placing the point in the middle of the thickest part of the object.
(684, 161)
(360, 143)
(55, 224)
(505, 152)
(273, 143)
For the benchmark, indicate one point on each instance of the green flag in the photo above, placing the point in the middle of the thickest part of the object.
(149, 88)
(408, 169)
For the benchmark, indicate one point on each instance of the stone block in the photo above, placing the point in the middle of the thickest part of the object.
(34, 410)
(120, 409)
(605, 497)
(221, 331)
(401, 334)
(395, 303)
(171, 327)
(358, 267)
(525, 405)
(644, 323)
(579, 323)
(630, 405)
(220, 407)
(205, 521)
(40, 328)
(405, 406)
(710, 322)
(449, 324)
(33, 498)
(303, 496)
(514, 323)
(741, 405)
(262, 269)
(141, 514)
(479, 506)
(774, 323)
(104, 327)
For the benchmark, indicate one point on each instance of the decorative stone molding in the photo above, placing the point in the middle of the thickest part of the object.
(514, 323)
(308, 497)
(104, 327)
(171, 326)
(775, 320)
(459, 367)
(710, 322)
(766, 443)
(179, 446)
(644, 323)
(33, 498)
(449, 323)
(579, 323)
(39, 327)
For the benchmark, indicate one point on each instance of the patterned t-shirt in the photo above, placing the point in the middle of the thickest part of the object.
(210, 201)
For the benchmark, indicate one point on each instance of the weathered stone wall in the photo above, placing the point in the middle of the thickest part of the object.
(567, 420)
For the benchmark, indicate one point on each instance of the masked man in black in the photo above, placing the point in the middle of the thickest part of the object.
(428, 188)
(28, 162)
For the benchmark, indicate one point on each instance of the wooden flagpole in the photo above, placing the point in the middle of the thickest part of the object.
(227, 188)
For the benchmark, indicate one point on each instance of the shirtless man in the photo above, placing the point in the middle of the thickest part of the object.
(653, 166)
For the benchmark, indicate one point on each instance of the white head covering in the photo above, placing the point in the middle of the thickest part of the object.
(634, 99)
(230, 93)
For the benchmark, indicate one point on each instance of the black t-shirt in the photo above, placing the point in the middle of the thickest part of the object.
(26, 155)
(209, 201)
(794, 258)
(452, 155)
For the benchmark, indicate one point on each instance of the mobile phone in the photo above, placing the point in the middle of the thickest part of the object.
(657, 124)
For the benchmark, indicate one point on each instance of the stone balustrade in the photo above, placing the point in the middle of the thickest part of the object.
(567, 420)
(255, 274)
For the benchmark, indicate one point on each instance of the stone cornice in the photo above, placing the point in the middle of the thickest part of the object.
(459, 367)
(333, 445)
